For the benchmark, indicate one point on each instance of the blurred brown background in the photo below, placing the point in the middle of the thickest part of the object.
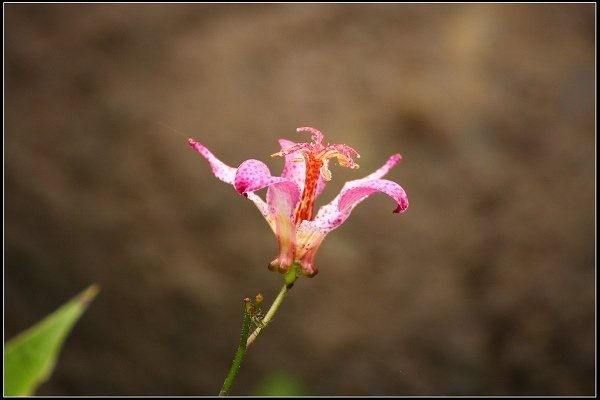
(485, 286)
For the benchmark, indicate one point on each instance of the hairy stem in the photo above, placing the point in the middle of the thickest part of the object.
(250, 311)
(241, 350)
(272, 310)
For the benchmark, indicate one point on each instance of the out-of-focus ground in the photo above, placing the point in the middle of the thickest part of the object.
(485, 286)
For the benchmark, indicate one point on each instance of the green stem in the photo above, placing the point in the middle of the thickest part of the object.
(245, 340)
(241, 350)
(272, 310)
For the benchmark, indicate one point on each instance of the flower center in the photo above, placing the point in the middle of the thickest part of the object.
(316, 158)
(305, 208)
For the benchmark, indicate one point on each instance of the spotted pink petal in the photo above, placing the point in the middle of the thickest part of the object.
(220, 170)
(253, 175)
(352, 196)
(338, 210)
(311, 234)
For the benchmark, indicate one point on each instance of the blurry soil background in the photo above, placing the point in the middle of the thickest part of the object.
(485, 286)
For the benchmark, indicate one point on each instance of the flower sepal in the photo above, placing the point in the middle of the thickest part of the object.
(291, 275)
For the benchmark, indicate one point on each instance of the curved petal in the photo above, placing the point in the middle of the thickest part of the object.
(220, 170)
(253, 175)
(227, 174)
(335, 213)
(352, 196)
(310, 234)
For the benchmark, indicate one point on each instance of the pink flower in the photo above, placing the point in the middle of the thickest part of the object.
(289, 208)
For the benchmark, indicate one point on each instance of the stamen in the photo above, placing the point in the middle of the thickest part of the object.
(325, 172)
(316, 157)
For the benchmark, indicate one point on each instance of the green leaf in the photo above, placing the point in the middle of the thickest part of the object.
(29, 358)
